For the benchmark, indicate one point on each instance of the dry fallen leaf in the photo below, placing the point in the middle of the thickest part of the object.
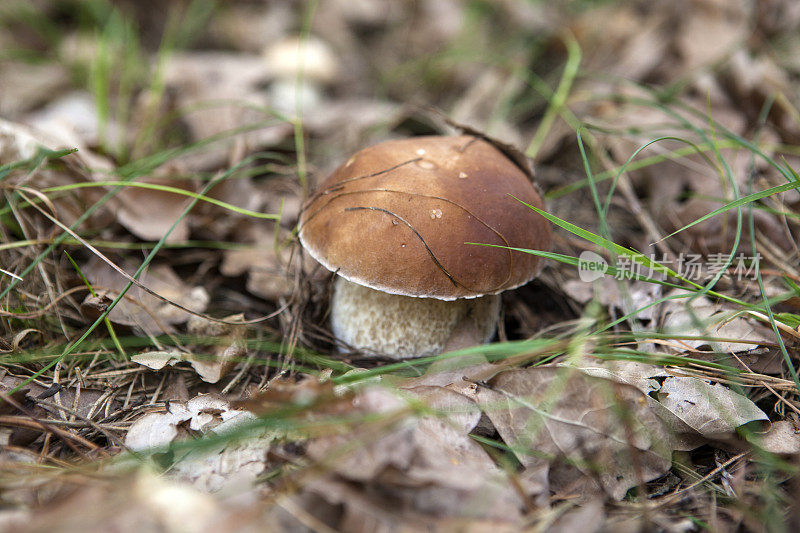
(714, 411)
(782, 438)
(19, 142)
(428, 463)
(138, 308)
(212, 412)
(140, 501)
(25, 85)
(211, 368)
(268, 270)
(150, 214)
(83, 401)
(712, 31)
(609, 292)
(586, 518)
(226, 464)
(156, 430)
(576, 432)
(226, 467)
(645, 378)
(701, 317)
(157, 359)
(72, 118)
(640, 375)
(205, 412)
(221, 93)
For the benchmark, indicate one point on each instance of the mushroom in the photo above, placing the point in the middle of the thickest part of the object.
(394, 222)
(301, 68)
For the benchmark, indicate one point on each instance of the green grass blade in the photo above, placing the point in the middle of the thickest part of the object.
(739, 203)
(164, 188)
(559, 98)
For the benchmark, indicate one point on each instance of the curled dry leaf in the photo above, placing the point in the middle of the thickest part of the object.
(714, 411)
(224, 356)
(210, 367)
(139, 309)
(156, 430)
(208, 410)
(211, 469)
(150, 214)
(16, 341)
(577, 432)
(214, 369)
(210, 370)
(205, 412)
(268, 270)
(157, 359)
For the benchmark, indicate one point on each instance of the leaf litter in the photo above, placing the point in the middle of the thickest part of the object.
(140, 309)
(477, 441)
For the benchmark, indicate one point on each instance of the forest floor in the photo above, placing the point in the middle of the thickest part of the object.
(166, 362)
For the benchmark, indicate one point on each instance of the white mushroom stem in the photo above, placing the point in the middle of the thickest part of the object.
(403, 326)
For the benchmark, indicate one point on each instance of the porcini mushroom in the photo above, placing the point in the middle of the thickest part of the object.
(393, 222)
(301, 67)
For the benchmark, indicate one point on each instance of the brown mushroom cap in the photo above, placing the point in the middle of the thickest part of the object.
(396, 216)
